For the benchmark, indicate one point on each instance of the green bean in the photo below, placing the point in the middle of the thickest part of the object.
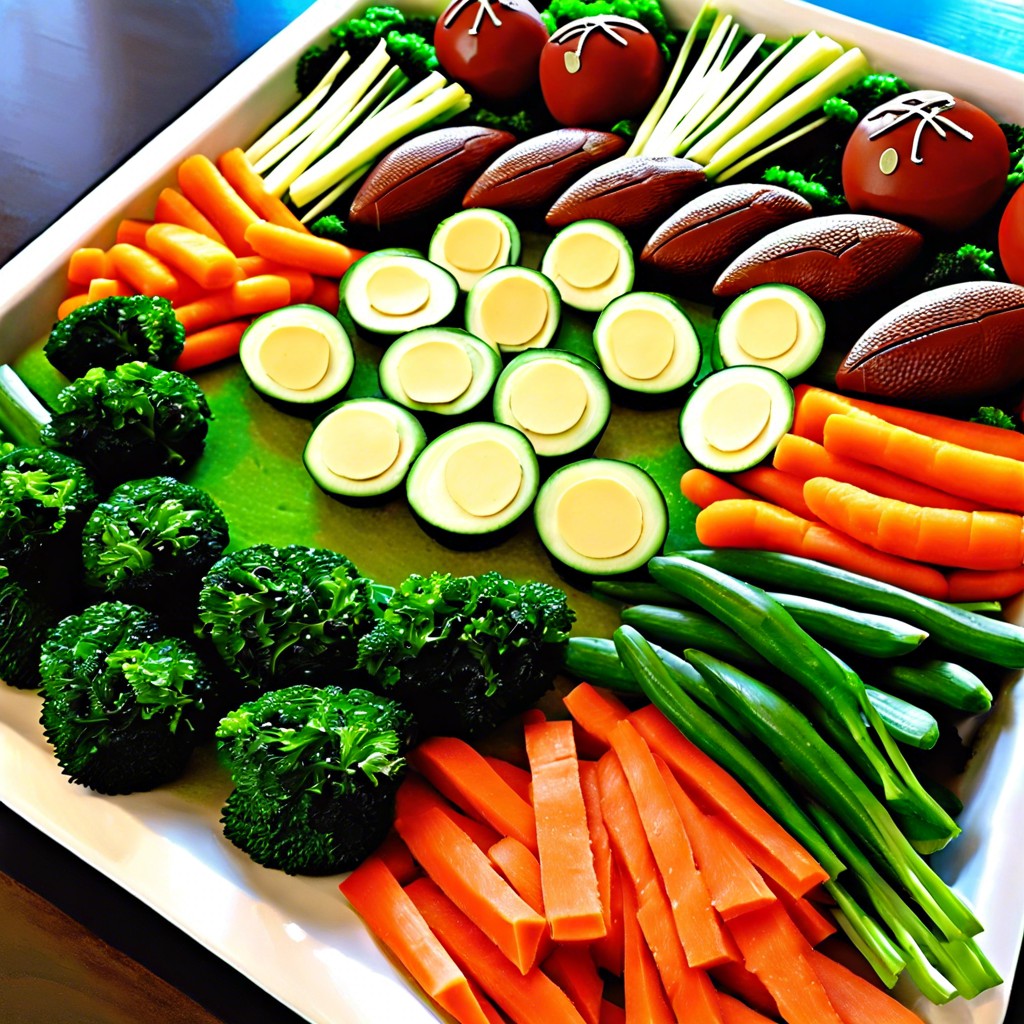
(943, 681)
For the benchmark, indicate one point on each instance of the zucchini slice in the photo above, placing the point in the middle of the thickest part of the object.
(590, 263)
(472, 242)
(514, 309)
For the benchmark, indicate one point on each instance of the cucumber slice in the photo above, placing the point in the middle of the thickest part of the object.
(363, 448)
(470, 485)
(772, 325)
(590, 263)
(558, 399)
(472, 242)
(736, 417)
(646, 343)
(440, 370)
(601, 517)
(299, 354)
(513, 309)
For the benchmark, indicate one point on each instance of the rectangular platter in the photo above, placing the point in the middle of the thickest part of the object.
(296, 937)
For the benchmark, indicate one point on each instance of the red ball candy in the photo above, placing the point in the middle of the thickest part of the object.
(1011, 237)
(599, 70)
(926, 158)
(491, 46)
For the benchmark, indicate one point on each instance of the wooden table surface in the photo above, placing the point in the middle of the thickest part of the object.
(83, 83)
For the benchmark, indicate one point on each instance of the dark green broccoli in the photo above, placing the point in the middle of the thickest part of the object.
(647, 12)
(120, 329)
(121, 702)
(1015, 140)
(993, 417)
(130, 422)
(280, 616)
(329, 226)
(464, 653)
(152, 541)
(968, 263)
(519, 122)
(315, 772)
(26, 617)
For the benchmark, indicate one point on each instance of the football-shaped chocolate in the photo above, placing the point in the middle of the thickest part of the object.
(628, 192)
(829, 258)
(536, 170)
(425, 171)
(926, 158)
(959, 341)
(715, 226)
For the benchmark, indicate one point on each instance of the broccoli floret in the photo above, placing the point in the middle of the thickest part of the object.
(315, 772)
(121, 329)
(330, 227)
(813, 191)
(1015, 140)
(464, 653)
(519, 122)
(130, 422)
(993, 417)
(968, 263)
(280, 616)
(647, 12)
(26, 618)
(152, 541)
(121, 701)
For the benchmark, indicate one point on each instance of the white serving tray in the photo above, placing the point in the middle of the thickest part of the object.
(296, 937)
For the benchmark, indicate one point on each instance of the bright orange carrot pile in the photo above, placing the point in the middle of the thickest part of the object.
(648, 862)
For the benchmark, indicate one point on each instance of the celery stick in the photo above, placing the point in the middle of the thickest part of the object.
(22, 415)
(848, 69)
(765, 150)
(335, 194)
(287, 124)
(867, 935)
(420, 91)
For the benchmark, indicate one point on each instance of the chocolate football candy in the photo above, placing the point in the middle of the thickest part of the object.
(717, 225)
(425, 171)
(926, 158)
(829, 258)
(958, 341)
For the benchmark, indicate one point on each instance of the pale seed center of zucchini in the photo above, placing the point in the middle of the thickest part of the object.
(642, 343)
(586, 261)
(767, 328)
(359, 444)
(600, 518)
(548, 398)
(296, 357)
(483, 478)
(397, 291)
(735, 417)
(435, 372)
(473, 243)
(514, 311)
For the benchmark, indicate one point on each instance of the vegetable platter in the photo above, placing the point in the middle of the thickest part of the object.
(295, 936)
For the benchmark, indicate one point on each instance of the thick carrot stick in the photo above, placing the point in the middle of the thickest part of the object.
(735, 1012)
(815, 405)
(460, 773)
(210, 264)
(297, 249)
(716, 792)
(204, 348)
(416, 795)
(247, 297)
(704, 488)
(612, 1013)
(758, 525)
(208, 190)
(738, 981)
(393, 917)
(779, 488)
(804, 458)
(397, 858)
(595, 711)
(705, 941)
(978, 585)
(943, 536)
(854, 998)
(87, 263)
(107, 287)
(325, 294)
(249, 185)
(516, 778)
(519, 866)
(146, 273)
(526, 997)
(778, 954)
(301, 281)
(571, 900)
(813, 924)
(646, 1002)
(608, 950)
(133, 232)
(71, 303)
(994, 480)
(571, 967)
(173, 208)
(733, 882)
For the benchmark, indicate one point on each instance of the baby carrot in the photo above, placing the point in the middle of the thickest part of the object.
(244, 298)
(942, 536)
(295, 249)
(173, 208)
(779, 488)
(203, 348)
(146, 273)
(325, 294)
(980, 585)
(210, 264)
(133, 232)
(249, 185)
(208, 190)
(704, 488)
(105, 287)
(71, 303)
(301, 281)
(87, 263)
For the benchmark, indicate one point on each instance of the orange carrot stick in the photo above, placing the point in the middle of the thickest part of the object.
(943, 536)
(979, 585)
(460, 773)
(107, 287)
(804, 458)
(416, 795)
(738, 981)
(779, 488)
(813, 925)
(301, 281)
(210, 264)
(204, 348)
(646, 1002)
(608, 950)
(735, 1012)
(612, 1013)
(71, 303)
(516, 778)
(815, 405)
(208, 190)
(393, 917)
(297, 249)
(249, 296)
(325, 294)
(464, 873)
(571, 967)
(994, 480)
(87, 263)
(249, 185)
(854, 998)
(571, 900)
(173, 208)
(705, 942)
(704, 488)
(146, 273)
(595, 711)
(758, 525)
(519, 866)
(133, 232)
(525, 997)
(716, 792)
(397, 859)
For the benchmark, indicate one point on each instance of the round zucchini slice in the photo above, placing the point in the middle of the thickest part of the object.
(472, 242)
(558, 399)
(601, 517)
(471, 484)
(363, 448)
(736, 417)
(394, 291)
(297, 354)
(646, 343)
(590, 263)
(513, 309)
(439, 370)
(772, 325)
